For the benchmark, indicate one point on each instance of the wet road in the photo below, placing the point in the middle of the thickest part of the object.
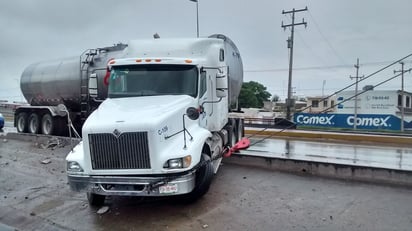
(349, 153)
(35, 196)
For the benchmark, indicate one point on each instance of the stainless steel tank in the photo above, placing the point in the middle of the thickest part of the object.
(234, 62)
(53, 82)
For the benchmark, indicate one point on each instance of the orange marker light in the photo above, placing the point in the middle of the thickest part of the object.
(148, 60)
(138, 60)
(188, 61)
(112, 62)
(158, 60)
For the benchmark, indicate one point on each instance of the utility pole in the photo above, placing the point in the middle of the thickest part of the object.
(289, 101)
(357, 78)
(402, 93)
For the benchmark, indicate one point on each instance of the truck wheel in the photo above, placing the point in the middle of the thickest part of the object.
(34, 123)
(21, 122)
(95, 199)
(47, 124)
(204, 176)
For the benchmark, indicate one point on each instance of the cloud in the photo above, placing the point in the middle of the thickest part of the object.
(338, 32)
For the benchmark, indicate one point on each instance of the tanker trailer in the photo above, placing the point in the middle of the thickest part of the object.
(165, 125)
(80, 83)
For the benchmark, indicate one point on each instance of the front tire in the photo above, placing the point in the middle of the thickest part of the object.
(204, 176)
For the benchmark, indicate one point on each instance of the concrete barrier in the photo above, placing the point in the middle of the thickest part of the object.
(306, 134)
(329, 170)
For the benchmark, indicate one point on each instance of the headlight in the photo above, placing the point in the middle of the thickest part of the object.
(183, 162)
(73, 166)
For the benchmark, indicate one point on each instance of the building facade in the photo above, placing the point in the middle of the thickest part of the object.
(375, 110)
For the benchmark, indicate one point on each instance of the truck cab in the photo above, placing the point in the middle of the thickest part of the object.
(165, 124)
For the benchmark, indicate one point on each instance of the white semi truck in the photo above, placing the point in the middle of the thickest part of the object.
(165, 124)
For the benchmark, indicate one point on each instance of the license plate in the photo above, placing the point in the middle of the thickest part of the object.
(169, 188)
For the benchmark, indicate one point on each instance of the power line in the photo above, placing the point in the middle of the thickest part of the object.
(367, 77)
(322, 67)
(309, 48)
(326, 40)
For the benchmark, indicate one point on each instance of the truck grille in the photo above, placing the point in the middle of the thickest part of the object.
(127, 151)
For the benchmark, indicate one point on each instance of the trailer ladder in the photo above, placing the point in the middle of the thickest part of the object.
(86, 60)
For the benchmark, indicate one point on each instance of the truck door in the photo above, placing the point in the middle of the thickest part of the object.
(204, 95)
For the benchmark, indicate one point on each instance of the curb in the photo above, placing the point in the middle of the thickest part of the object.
(333, 135)
(328, 170)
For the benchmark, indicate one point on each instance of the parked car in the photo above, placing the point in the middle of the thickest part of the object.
(1, 121)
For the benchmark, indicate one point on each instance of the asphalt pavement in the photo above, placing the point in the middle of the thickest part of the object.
(34, 195)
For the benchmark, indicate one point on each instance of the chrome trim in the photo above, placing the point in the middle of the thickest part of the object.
(98, 184)
(128, 150)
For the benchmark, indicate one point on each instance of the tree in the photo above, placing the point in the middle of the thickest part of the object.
(275, 98)
(253, 94)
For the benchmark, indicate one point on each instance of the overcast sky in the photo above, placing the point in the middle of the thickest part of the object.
(375, 31)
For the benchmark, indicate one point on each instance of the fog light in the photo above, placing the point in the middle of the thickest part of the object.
(73, 166)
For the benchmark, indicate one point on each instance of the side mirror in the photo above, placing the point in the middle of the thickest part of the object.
(192, 113)
(221, 85)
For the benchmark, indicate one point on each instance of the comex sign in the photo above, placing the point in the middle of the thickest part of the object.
(314, 120)
(363, 121)
(374, 122)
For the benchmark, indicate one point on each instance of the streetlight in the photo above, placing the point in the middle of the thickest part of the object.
(197, 16)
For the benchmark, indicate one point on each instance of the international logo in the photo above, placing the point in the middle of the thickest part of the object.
(116, 133)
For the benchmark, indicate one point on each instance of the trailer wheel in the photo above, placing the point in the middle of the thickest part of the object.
(33, 123)
(21, 122)
(47, 124)
(204, 176)
(95, 199)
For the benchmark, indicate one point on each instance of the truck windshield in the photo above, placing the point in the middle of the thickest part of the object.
(148, 80)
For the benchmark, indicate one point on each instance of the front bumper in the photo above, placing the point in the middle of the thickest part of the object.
(131, 185)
